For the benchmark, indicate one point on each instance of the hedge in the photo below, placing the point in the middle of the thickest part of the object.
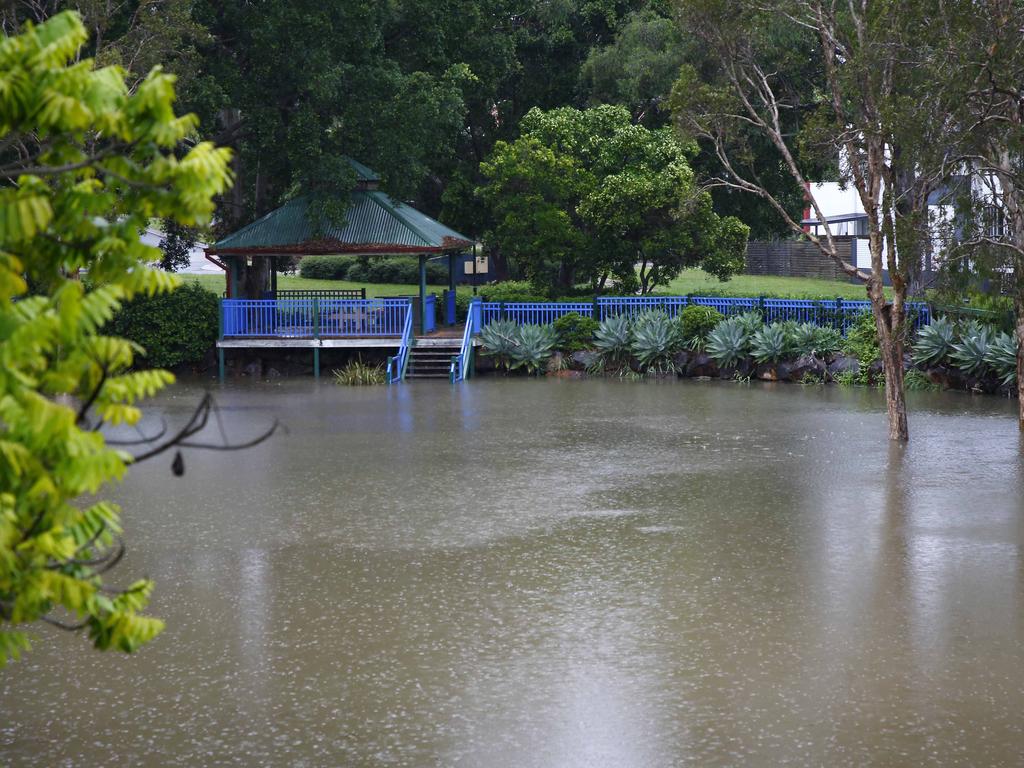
(395, 269)
(175, 328)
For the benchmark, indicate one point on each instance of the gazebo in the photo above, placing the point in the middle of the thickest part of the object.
(375, 225)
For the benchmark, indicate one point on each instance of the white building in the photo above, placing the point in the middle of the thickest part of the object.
(841, 207)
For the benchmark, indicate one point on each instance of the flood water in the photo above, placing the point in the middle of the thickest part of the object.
(517, 573)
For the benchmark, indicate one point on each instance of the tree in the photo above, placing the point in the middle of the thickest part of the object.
(583, 195)
(84, 165)
(135, 34)
(868, 113)
(981, 66)
(638, 69)
(176, 245)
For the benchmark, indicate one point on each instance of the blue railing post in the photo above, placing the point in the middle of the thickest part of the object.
(476, 310)
(221, 309)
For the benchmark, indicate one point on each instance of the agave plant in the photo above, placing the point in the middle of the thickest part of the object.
(535, 343)
(802, 339)
(500, 339)
(828, 341)
(769, 344)
(613, 338)
(934, 342)
(729, 343)
(751, 322)
(971, 351)
(1002, 357)
(655, 340)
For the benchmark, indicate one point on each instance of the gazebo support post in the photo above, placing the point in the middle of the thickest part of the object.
(449, 305)
(423, 293)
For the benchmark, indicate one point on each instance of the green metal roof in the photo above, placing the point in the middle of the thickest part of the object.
(363, 173)
(374, 223)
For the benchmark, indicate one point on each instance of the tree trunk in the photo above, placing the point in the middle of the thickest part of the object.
(889, 321)
(1018, 306)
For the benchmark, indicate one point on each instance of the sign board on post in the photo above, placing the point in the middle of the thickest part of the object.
(475, 266)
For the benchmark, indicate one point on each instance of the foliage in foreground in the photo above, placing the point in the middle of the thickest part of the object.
(97, 163)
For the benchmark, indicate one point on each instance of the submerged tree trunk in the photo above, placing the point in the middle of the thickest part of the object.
(890, 324)
(1018, 306)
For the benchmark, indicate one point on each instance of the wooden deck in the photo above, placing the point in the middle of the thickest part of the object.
(279, 342)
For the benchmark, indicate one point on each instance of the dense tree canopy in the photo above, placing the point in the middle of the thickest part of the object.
(419, 90)
(584, 195)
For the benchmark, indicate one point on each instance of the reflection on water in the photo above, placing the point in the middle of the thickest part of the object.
(544, 573)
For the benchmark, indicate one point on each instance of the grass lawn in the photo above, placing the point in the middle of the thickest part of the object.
(690, 281)
(697, 281)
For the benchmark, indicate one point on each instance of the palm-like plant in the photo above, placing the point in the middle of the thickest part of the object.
(500, 338)
(769, 344)
(934, 342)
(535, 343)
(655, 340)
(970, 352)
(613, 338)
(810, 339)
(729, 343)
(1002, 357)
(751, 322)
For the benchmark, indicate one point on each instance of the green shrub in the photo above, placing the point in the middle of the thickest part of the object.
(357, 373)
(811, 339)
(499, 339)
(1002, 357)
(769, 344)
(462, 306)
(934, 342)
(402, 270)
(696, 322)
(511, 290)
(575, 331)
(656, 338)
(862, 342)
(613, 339)
(326, 267)
(916, 381)
(175, 328)
(729, 343)
(970, 353)
(534, 344)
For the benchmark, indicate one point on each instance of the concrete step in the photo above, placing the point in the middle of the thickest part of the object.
(431, 357)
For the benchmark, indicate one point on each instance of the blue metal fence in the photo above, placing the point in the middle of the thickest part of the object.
(533, 312)
(313, 318)
(837, 313)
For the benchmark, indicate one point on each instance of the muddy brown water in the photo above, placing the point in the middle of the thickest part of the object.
(517, 573)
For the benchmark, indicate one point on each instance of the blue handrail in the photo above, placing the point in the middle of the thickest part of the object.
(397, 363)
(313, 318)
(462, 364)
